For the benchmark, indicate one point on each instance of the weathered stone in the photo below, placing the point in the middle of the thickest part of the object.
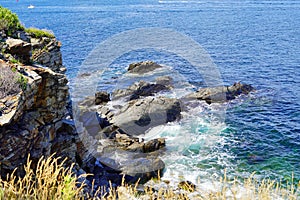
(29, 120)
(143, 89)
(23, 36)
(46, 51)
(136, 166)
(221, 93)
(20, 49)
(154, 145)
(101, 97)
(143, 67)
(140, 115)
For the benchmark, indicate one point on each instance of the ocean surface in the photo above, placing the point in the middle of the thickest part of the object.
(256, 42)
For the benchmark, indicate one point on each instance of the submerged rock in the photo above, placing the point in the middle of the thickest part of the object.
(220, 94)
(143, 67)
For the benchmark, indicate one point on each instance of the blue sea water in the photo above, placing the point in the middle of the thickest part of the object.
(256, 42)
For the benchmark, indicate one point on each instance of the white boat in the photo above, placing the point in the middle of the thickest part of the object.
(30, 6)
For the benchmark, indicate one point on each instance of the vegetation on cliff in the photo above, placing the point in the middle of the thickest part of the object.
(37, 33)
(11, 82)
(9, 22)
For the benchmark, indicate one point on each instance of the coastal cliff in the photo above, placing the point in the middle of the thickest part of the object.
(36, 120)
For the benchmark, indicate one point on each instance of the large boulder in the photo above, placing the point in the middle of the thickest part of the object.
(136, 166)
(220, 94)
(143, 67)
(137, 116)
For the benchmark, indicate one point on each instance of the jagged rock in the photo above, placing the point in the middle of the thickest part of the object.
(13, 107)
(32, 121)
(20, 49)
(154, 145)
(150, 146)
(221, 93)
(139, 89)
(139, 115)
(23, 36)
(46, 51)
(101, 97)
(137, 166)
(143, 67)
(133, 144)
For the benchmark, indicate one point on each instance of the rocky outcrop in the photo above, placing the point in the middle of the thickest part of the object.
(33, 121)
(20, 49)
(143, 67)
(220, 94)
(140, 115)
(143, 89)
(46, 51)
(37, 120)
(133, 158)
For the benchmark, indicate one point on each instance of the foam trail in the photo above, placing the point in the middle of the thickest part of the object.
(194, 150)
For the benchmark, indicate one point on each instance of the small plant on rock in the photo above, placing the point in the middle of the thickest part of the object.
(9, 83)
(37, 33)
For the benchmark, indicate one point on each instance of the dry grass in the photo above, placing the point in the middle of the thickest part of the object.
(51, 180)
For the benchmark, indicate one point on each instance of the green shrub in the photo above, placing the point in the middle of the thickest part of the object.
(37, 33)
(9, 22)
(22, 81)
(14, 61)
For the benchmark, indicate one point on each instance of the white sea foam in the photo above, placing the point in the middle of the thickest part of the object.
(194, 149)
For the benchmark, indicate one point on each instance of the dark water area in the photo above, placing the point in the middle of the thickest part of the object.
(256, 42)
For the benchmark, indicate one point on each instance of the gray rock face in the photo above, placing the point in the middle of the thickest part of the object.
(141, 89)
(46, 51)
(220, 94)
(143, 67)
(140, 115)
(20, 49)
(136, 165)
(33, 121)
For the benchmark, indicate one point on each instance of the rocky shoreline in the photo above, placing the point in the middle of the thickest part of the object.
(39, 120)
(116, 122)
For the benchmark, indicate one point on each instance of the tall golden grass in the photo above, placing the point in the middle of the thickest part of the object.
(51, 180)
